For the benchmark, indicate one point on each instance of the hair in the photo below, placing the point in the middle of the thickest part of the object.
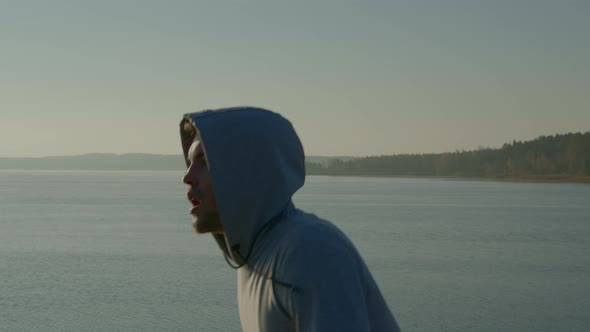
(193, 133)
(189, 128)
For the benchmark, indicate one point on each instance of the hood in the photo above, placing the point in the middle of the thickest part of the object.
(256, 163)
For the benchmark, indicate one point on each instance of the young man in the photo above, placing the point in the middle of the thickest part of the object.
(296, 272)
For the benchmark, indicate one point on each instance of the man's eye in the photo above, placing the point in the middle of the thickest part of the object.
(200, 158)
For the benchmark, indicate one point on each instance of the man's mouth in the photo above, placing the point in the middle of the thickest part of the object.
(195, 201)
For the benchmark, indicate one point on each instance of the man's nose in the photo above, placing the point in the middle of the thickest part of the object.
(188, 178)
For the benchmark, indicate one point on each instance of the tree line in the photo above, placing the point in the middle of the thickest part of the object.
(562, 155)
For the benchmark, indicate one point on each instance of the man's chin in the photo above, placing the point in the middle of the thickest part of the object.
(205, 225)
(200, 230)
(198, 226)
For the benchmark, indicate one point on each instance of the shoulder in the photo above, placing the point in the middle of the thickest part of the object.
(313, 248)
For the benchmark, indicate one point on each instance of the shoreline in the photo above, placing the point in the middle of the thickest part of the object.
(580, 179)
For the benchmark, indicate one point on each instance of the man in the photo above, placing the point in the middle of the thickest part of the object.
(296, 272)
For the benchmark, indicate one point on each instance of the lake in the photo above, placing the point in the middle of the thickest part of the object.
(115, 251)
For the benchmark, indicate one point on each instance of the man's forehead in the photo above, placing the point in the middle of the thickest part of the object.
(196, 147)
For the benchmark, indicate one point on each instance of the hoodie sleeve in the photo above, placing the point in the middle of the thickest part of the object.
(331, 290)
(333, 300)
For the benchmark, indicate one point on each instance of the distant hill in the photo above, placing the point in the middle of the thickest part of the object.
(111, 161)
(326, 161)
(97, 161)
(557, 157)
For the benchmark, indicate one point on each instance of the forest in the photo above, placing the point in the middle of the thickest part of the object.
(561, 156)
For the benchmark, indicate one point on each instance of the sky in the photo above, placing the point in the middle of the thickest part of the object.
(355, 78)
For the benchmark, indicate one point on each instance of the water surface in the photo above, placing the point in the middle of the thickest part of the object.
(106, 251)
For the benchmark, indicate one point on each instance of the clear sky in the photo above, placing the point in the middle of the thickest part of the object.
(355, 77)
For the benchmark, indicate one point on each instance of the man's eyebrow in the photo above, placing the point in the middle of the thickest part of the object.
(190, 155)
(195, 155)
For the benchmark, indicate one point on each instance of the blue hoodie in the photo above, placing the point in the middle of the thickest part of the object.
(296, 272)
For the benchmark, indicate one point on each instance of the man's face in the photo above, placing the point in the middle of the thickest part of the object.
(200, 193)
